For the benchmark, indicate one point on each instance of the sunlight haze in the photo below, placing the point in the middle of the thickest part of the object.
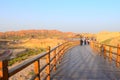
(64, 15)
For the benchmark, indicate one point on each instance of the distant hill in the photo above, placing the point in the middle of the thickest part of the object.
(41, 34)
(106, 37)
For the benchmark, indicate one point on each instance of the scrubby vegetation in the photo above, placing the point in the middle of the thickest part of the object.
(27, 54)
(107, 41)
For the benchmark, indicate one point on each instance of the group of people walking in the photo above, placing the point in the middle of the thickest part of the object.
(84, 41)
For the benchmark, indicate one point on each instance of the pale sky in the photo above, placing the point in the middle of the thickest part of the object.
(63, 15)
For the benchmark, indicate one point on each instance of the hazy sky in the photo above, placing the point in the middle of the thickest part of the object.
(64, 15)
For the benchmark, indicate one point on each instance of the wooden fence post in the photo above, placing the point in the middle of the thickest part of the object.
(100, 50)
(55, 60)
(37, 69)
(48, 62)
(105, 52)
(58, 54)
(91, 44)
(95, 46)
(61, 53)
(110, 54)
(4, 70)
(118, 56)
(65, 48)
(1, 71)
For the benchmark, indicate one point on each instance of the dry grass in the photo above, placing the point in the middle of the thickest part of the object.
(112, 38)
(115, 41)
(102, 36)
(40, 43)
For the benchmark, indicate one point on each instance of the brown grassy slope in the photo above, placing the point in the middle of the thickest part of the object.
(41, 43)
(115, 41)
(112, 38)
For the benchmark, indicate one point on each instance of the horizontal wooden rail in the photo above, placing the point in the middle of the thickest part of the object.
(52, 56)
(112, 53)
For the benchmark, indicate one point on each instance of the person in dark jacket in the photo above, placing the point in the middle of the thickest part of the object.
(85, 41)
(81, 42)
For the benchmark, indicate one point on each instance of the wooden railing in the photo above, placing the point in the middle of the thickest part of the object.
(112, 53)
(53, 57)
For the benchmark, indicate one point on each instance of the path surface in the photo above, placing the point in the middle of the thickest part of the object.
(81, 63)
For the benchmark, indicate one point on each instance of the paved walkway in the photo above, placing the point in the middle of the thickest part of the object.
(81, 63)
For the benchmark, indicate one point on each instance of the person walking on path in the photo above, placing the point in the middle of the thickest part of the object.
(81, 42)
